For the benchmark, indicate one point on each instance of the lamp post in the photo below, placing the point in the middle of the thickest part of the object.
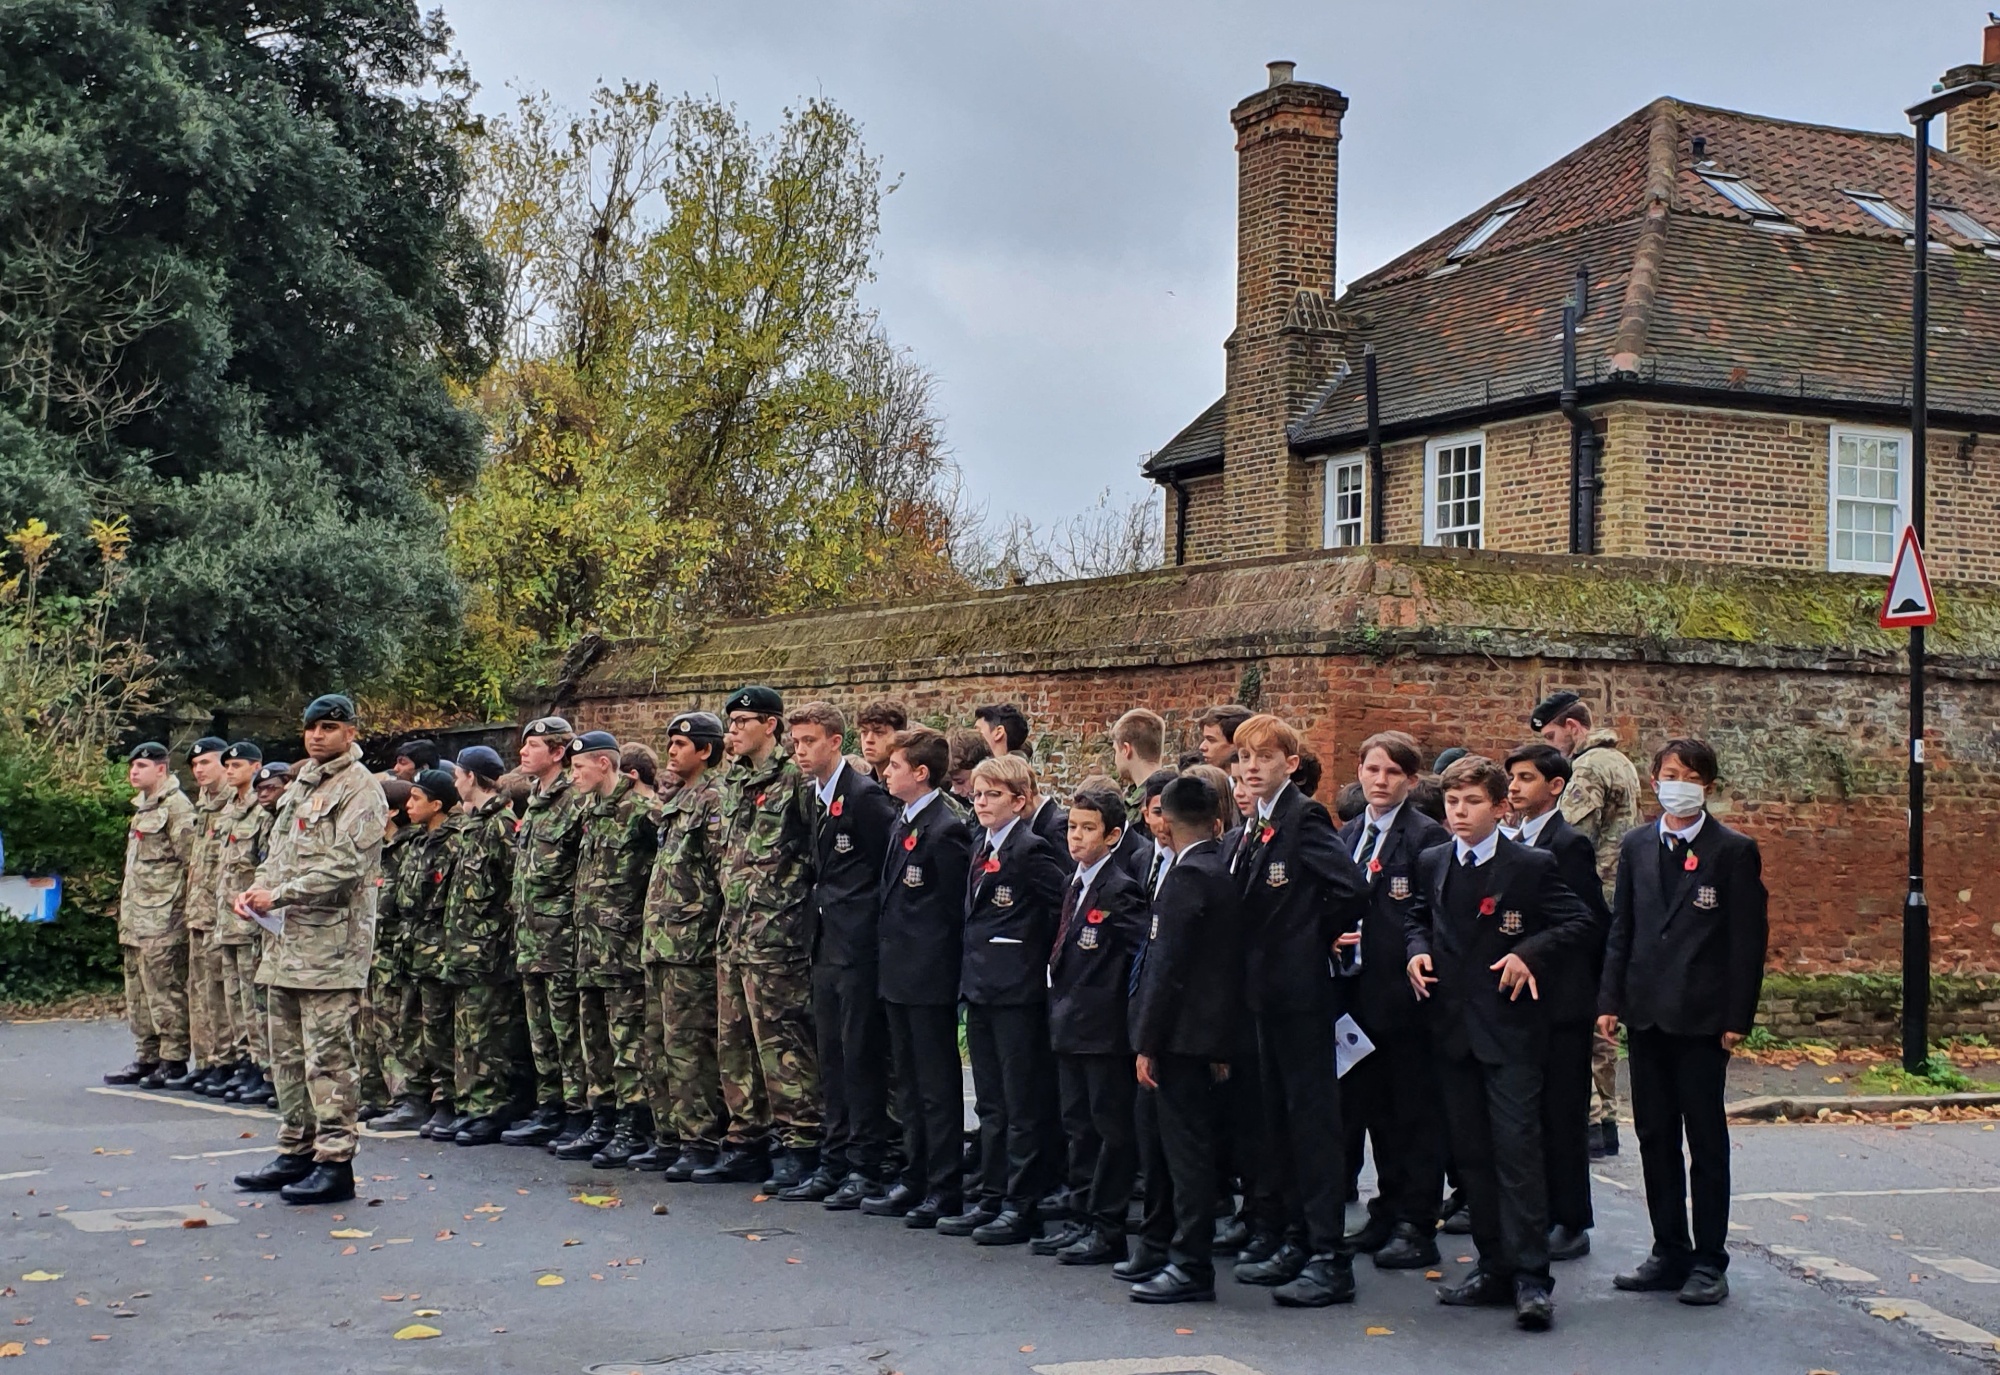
(1916, 908)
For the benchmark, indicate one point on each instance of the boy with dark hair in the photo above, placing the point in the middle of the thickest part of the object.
(878, 724)
(1148, 864)
(1004, 728)
(1683, 969)
(640, 763)
(1536, 777)
(1217, 726)
(1488, 908)
(968, 747)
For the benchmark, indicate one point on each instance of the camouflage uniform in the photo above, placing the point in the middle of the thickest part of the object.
(683, 913)
(152, 923)
(419, 1058)
(326, 849)
(1602, 801)
(477, 961)
(384, 1075)
(208, 1011)
(241, 836)
(765, 1037)
(545, 846)
(612, 864)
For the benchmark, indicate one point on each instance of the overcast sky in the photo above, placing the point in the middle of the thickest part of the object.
(1061, 249)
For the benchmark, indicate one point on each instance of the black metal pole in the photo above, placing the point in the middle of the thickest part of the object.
(1916, 908)
(1375, 493)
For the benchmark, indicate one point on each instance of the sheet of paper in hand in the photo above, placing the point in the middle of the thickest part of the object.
(1350, 1045)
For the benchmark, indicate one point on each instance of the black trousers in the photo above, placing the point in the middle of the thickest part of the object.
(1494, 1113)
(1392, 1094)
(1241, 1153)
(1014, 1095)
(1566, 1124)
(853, 1036)
(1177, 1126)
(1301, 1093)
(1677, 1092)
(1081, 1142)
(1108, 1089)
(930, 1094)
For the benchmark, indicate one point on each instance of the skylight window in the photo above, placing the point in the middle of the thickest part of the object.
(1742, 195)
(1492, 225)
(1965, 226)
(1882, 209)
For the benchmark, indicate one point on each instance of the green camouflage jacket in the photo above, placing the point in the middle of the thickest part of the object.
(764, 863)
(203, 857)
(684, 899)
(152, 905)
(545, 845)
(420, 904)
(243, 834)
(326, 854)
(478, 925)
(620, 838)
(390, 958)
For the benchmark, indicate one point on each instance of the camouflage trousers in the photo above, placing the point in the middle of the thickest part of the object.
(396, 1014)
(682, 1080)
(552, 1038)
(260, 1031)
(1603, 1077)
(239, 970)
(765, 1048)
(435, 1027)
(156, 999)
(208, 1006)
(611, 1023)
(313, 1065)
(369, 1081)
(488, 1039)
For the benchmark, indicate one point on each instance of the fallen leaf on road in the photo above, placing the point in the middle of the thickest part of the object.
(549, 1281)
(522, 1192)
(138, 1241)
(1381, 1331)
(489, 1208)
(571, 1241)
(426, 1312)
(633, 1260)
(1822, 1372)
(80, 1300)
(99, 1150)
(22, 1322)
(400, 1241)
(12, 1349)
(596, 1200)
(349, 1234)
(41, 1341)
(394, 1298)
(446, 1235)
(1465, 1260)
(789, 1260)
(1915, 1278)
(246, 1136)
(40, 1276)
(760, 1198)
(1800, 1217)
(499, 1329)
(753, 1237)
(1433, 1274)
(422, 1175)
(101, 1337)
(1029, 1347)
(659, 1210)
(347, 1250)
(1183, 1331)
(478, 1243)
(417, 1332)
(194, 1222)
(381, 1178)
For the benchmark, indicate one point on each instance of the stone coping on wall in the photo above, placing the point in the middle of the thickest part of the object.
(1379, 601)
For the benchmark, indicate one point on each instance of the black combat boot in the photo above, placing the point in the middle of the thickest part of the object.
(790, 1169)
(441, 1114)
(536, 1130)
(736, 1165)
(634, 1134)
(164, 1071)
(574, 1124)
(691, 1161)
(215, 1080)
(603, 1126)
(262, 1093)
(479, 1131)
(132, 1073)
(450, 1130)
(331, 1181)
(286, 1169)
(657, 1156)
(182, 1082)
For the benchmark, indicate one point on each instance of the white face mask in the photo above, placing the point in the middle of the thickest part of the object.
(1679, 797)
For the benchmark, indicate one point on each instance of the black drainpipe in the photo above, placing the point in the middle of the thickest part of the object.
(1583, 441)
(1375, 535)
(1180, 521)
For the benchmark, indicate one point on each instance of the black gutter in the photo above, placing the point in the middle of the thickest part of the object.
(1375, 517)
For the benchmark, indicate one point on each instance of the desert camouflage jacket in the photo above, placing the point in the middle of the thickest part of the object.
(326, 853)
(152, 905)
(244, 832)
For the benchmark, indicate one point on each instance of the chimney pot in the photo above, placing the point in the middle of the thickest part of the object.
(1281, 72)
(1992, 44)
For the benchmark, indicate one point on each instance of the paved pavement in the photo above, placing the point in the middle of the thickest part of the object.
(460, 1240)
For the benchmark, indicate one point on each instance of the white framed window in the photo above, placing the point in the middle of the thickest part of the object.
(1485, 230)
(1868, 486)
(1346, 501)
(1455, 491)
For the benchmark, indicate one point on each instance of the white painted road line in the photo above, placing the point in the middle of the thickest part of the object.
(1852, 1193)
(217, 1155)
(1150, 1365)
(1959, 1267)
(1826, 1267)
(184, 1102)
(23, 1174)
(1607, 1179)
(1928, 1320)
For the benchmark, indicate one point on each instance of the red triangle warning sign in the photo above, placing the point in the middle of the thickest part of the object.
(1909, 601)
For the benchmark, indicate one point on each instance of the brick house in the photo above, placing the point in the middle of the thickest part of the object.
(1740, 334)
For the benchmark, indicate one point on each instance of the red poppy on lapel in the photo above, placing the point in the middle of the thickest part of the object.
(1487, 906)
(991, 866)
(1689, 863)
(910, 841)
(1264, 836)
(1095, 915)
(761, 797)
(834, 810)
(1374, 866)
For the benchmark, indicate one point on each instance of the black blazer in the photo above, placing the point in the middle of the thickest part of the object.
(1135, 850)
(1470, 1016)
(1571, 992)
(922, 922)
(850, 843)
(1051, 823)
(1300, 892)
(1189, 999)
(1090, 965)
(1687, 958)
(1378, 993)
(1010, 922)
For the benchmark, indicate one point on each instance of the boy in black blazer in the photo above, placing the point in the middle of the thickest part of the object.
(1494, 920)
(1013, 902)
(1301, 892)
(1104, 916)
(1536, 777)
(1186, 1005)
(1682, 969)
(919, 932)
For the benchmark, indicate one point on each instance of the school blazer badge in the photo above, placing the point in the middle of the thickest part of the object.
(842, 843)
(1274, 874)
(1399, 888)
(1511, 924)
(913, 876)
(1086, 939)
(1003, 896)
(1706, 898)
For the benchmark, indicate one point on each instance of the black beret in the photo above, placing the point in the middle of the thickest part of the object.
(273, 772)
(438, 785)
(243, 749)
(208, 744)
(546, 725)
(332, 707)
(481, 761)
(592, 740)
(422, 753)
(1552, 706)
(755, 698)
(1449, 756)
(697, 725)
(151, 749)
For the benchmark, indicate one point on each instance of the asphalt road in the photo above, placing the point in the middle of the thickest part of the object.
(692, 1293)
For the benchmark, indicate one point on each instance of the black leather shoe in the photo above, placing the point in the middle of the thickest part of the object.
(1655, 1275)
(1055, 1206)
(1173, 1285)
(132, 1073)
(574, 1124)
(260, 1094)
(849, 1196)
(484, 1130)
(1141, 1265)
(899, 1200)
(450, 1130)
(1010, 1228)
(1325, 1281)
(690, 1162)
(440, 1118)
(1408, 1249)
(1371, 1236)
(1594, 1140)
(594, 1138)
(1609, 1132)
(1480, 1289)
(332, 1181)
(165, 1071)
(244, 1076)
(1534, 1310)
(816, 1187)
(1282, 1268)
(406, 1116)
(1261, 1246)
(1231, 1233)
(286, 1169)
(965, 1223)
(1457, 1222)
(933, 1210)
(1704, 1287)
(736, 1165)
(791, 1168)
(214, 1080)
(1568, 1243)
(536, 1130)
(631, 1138)
(655, 1158)
(184, 1081)
(1095, 1247)
(368, 1112)
(1066, 1235)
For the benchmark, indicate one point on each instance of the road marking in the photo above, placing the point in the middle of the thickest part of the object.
(1961, 1267)
(1151, 1365)
(217, 1155)
(184, 1103)
(1826, 1267)
(1607, 1179)
(1852, 1193)
(1928, 1320)
(146, 1219)
(23, 1174)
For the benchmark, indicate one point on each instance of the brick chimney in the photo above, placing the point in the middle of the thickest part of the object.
(1972, 131)
(1286, 343)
